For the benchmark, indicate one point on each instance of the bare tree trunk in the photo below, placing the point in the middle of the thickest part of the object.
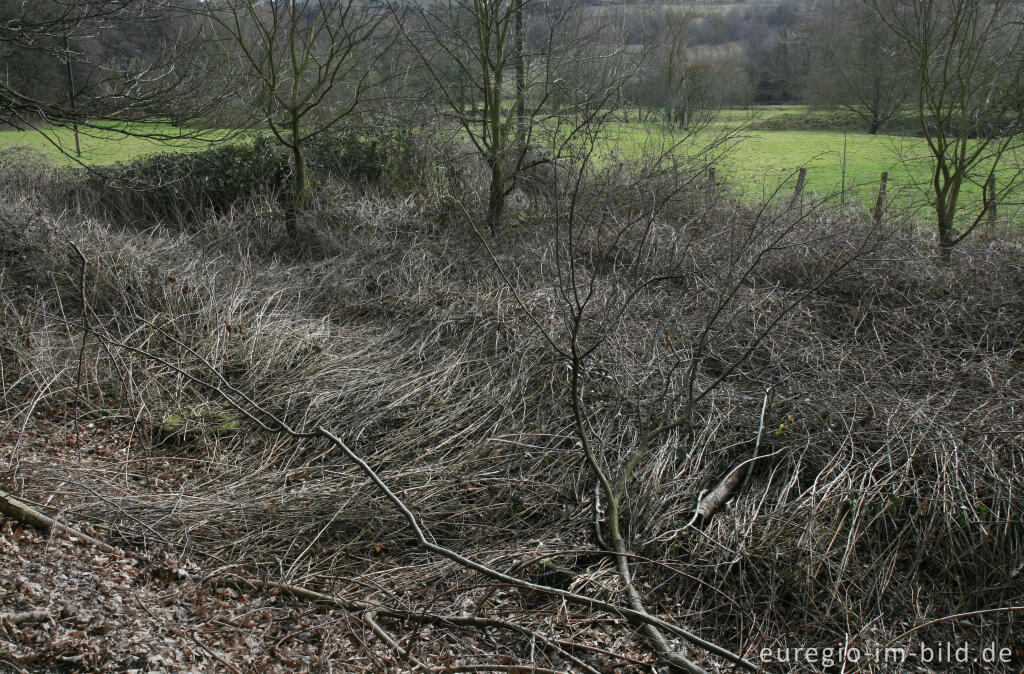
(21, 512)
(496, 201)
(947, 235)
(71, 94)
(520, 57)
(676, 662)
(299, 183)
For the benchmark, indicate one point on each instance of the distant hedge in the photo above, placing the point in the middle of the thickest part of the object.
(174, 186)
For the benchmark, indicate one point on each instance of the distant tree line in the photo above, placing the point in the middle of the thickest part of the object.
(115, 59)
(516, 76)
(118, 53)
(687, 58)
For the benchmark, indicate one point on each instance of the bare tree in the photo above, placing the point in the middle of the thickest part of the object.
(855, 65)
(68, 70)
(967, 57)
(474, 51)
(685, 84)
(303, 66)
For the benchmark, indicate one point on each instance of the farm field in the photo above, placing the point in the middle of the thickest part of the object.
(771, 144)
(101, 146)
(766, 154)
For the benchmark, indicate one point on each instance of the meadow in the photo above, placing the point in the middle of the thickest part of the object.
(102, 144)
(768, 146)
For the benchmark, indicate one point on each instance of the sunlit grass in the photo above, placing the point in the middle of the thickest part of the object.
(766, 151)
(847, 164)
(104, 144)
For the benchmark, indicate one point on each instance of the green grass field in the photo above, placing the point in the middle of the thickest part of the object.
(770, 146)
(762, 160)
(766, 154)
(775, 145)
(759, 161)
(105, 146)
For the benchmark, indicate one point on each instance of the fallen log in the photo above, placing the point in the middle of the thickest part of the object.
(715, 498)
(23, 617)
(26, 514)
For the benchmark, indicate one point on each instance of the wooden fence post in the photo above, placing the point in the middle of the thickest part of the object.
(880, 203)
(797, 194)
(801, 178)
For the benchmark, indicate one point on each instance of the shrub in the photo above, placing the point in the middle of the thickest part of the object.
(177, 186)
(23, 170)
(371, 153)
(182, 187)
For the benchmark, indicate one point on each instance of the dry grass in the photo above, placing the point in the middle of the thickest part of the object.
(892, 494)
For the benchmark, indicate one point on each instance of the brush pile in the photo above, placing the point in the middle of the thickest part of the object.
(889, 492)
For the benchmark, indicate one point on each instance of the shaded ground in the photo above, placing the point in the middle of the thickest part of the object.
(68, 606)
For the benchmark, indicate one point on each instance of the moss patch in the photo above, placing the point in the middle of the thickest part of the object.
(187, 424)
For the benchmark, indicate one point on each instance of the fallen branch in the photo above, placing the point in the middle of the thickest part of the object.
(710, 504)
(214, 654)
(631, 614)
(769, 393)
(514, 669)
(465, 620)
(271, 423)
(14, 667)
(369, 617)
(26, 514)
(23, 617)
(715, 498)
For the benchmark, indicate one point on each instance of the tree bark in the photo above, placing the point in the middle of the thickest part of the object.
(675, 661)
(947, 235)
(17, 510)
(520, 56)
(496, 201)
(300, 185)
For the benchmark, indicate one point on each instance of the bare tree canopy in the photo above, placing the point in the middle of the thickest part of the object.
(83, 62)
(856, 65)
(299, 67)
(500, 89)
(968, 58)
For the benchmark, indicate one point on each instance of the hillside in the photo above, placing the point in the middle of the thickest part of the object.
(173, 376)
